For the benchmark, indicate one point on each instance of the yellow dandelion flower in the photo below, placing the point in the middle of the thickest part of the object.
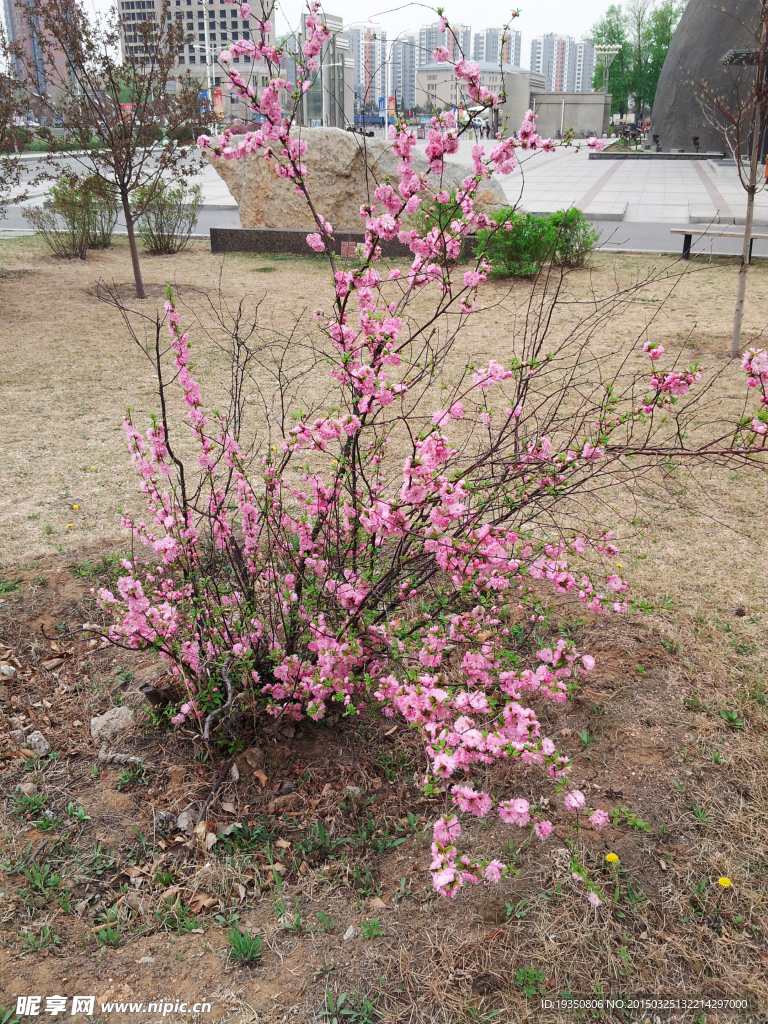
(93, 467)
(612, 858)
(69, 526)
(75, 506)
(724, 882)
(619, 565)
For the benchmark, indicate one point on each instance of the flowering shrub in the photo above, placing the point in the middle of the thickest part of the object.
(379, 557)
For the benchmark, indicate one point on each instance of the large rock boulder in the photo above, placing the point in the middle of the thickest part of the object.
(343, 170)
(705, 33)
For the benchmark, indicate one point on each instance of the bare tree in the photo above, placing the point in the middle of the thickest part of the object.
(741, 118)
(11, 172)
(132, 122)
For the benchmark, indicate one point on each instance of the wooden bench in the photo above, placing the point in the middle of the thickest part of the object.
(688, 234)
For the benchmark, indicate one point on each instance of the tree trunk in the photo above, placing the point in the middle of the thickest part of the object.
(132, 246)
(741, 285)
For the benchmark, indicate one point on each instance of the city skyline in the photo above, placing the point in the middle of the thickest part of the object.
(546, 16)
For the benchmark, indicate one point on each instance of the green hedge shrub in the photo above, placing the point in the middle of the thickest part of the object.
(522, 249)
(169, 218)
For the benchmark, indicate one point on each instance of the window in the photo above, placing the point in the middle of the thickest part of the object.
(431, 78)
(192, 59)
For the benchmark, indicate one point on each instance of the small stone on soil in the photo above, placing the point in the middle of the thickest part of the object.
(38, 744)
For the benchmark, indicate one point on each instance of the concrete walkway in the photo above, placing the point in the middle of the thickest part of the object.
(645, 197)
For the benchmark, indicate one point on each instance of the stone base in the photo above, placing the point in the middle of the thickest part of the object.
(268, 240)
(643, 155)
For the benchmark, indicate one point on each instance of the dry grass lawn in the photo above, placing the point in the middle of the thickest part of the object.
(672, 726)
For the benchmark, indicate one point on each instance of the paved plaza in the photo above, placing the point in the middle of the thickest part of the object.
(634, 203)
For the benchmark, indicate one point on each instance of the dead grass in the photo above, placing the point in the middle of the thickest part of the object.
(652, 714)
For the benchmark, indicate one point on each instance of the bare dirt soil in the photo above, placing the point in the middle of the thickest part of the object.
(107, 890)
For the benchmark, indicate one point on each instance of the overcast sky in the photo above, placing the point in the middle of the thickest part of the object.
(536, 17)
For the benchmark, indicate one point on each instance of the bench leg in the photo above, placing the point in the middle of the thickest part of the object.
(751, 243)
(687, 246)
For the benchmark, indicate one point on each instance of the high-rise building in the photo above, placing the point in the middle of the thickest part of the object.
(330, 102)
(487, 46)
(403, 76)
(567, 66)
(210, 25)
(368, 46)
(23, 32)
(585, 66)
(457, 40)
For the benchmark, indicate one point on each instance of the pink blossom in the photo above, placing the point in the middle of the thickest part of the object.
(654, 349)
(543, 829)
(594, 899)
(316, 242)
(446, 830)
(440, 55)
(515, 812)
(599, 820)
(470, 801)
(493, 871)
(574, 800)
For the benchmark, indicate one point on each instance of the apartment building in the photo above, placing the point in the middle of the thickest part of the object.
(210, 25)
(22, 31)
(487, 46)
(457, 41)
(403, 74)
(567, 66)
(368, 47)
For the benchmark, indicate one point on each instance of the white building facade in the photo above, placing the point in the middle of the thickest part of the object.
(488, 47)
(567, 66)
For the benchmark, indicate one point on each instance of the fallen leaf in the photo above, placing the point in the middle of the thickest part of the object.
(393, 729)
(133, 872)
(210, 840)
(262, 778)
(201, 902)
(663, 865)
(229, 808)
(53, 663)
(200, 830)
(173, 891)
(241, 891)
(377, 903)
(283, 844)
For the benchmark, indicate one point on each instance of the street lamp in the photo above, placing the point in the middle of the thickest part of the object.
(606, 54)
(208, 54)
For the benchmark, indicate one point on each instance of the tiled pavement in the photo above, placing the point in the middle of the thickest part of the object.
(636, 194)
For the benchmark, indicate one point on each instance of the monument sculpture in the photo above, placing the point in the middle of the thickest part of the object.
(704, 35)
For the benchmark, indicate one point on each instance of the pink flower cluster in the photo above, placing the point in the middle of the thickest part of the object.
(365, 563)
